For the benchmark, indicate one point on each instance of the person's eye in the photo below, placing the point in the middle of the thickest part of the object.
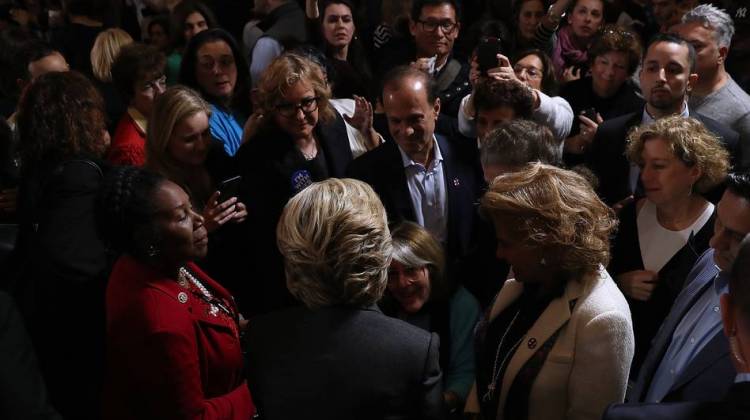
(347, 19)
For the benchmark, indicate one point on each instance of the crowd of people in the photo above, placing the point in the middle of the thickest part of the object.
(342, 209)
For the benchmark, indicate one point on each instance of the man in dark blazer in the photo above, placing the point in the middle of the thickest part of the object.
(428, 178)
(666, 76)
(735, 313)
(689, 358)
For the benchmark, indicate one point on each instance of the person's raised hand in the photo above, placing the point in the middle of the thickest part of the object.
(217, 214)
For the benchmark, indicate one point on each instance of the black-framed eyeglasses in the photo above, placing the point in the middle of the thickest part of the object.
(307, 105)
(431, 25)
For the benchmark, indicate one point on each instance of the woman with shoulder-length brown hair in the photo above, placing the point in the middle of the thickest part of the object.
(300, 139)
(558, 340)
(662, 234)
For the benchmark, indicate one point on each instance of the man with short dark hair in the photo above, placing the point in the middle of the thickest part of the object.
(667, 77)
(427, 178)
(715, 94)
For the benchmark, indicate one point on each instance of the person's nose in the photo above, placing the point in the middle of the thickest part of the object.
(160, 89)
(197, 219)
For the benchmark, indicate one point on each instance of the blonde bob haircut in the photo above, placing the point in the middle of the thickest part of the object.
(336, 244)
(283, 73)
(105, 50)
(556, 211)
(690, 141)
(174, 105)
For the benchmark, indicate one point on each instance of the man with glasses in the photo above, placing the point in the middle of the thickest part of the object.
(434, 25)
(138, 74)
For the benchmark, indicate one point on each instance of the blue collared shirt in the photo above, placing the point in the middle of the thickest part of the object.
(742, 377)
(428, 192)
(699, 325)
(635, 171)
(225, 128)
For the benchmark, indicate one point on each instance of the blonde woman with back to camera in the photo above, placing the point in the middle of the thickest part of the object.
(338, 356)
(558, 341)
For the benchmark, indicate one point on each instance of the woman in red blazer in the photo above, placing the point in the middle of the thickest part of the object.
(173, 347)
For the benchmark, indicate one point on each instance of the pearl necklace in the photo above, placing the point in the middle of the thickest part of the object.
(497, 369)
(183, 275)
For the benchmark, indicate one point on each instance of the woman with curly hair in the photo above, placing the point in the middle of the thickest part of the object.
(663, 234)
(558, 341)
(59, 262)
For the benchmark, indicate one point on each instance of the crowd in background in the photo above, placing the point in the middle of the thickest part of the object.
(374, 209)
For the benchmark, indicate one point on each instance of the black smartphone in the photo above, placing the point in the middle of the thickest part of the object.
(229, 188)
(487, 51)
(589, 113)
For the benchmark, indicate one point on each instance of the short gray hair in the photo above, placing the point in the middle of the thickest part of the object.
(336, 244)
(713, 18)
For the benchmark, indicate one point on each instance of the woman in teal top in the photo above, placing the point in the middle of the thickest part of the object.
(214, 65)
(420, 293)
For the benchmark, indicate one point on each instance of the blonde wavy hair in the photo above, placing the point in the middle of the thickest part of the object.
(105, 50)
(283, 73)
(554, 210)
(336, 244)
(175, 104)
(690, 141)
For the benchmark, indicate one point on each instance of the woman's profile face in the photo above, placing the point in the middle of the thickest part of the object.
(297, 111)
(608, 73)
(525, 260)
(409, 286)
(338, 25)
(586, 18)
(182, 236)
(666, 179)
(531, 13)
(190, 140)
(216, 71)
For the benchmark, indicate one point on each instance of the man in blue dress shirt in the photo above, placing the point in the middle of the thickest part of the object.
(735, 314)
(689, 357)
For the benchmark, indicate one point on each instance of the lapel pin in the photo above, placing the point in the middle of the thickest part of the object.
(456, 182)
(531, 343)
(182, 297)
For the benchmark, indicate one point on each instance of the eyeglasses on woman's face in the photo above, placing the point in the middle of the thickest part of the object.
(307, 106)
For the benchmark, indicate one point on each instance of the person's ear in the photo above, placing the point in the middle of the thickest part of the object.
(723, 52)
(412, 27)
(436, 108)
(692, 80)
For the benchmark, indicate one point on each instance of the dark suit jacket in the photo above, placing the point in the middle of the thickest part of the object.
(470, 247)
(383, 169)
(22, 391)
(709, 374)
(342, 363)
(735, 406)
(58, 275)
(607, 158)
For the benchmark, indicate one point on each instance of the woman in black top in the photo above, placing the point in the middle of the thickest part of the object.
(614, 57)
(300, 140)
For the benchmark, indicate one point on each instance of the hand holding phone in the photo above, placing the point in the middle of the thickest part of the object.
(487, 51)
(229, 188)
